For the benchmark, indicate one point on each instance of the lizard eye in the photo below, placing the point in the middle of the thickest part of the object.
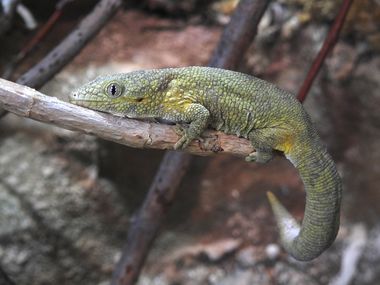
(114, 90)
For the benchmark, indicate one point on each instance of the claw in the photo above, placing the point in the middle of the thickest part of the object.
(259, 156)
(181, 143)
(252, 157)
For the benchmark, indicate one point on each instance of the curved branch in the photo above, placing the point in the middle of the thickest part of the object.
(27, 102)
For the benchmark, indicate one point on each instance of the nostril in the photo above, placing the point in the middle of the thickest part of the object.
(73, 96)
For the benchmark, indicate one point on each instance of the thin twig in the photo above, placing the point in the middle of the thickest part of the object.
(328, 45)
(27, 102)
(144, 229)
(63, 53)
(71, 45)
(36, 39)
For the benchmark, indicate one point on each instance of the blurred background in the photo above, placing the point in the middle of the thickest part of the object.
(66, 199)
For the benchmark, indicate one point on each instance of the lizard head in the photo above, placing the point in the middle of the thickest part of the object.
(119, 94)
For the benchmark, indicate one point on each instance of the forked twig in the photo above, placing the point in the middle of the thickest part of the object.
(64, 52)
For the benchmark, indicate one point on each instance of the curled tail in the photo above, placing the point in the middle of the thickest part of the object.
(323, 196)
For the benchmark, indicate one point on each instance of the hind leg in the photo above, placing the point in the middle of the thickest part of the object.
(264, 141)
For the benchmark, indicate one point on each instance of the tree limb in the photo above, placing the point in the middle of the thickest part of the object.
(238, 35)
(35, 40)
(71, 45)
(4, 278)
(27, 102)
(144, 228)
(65, 51)
(235, 40)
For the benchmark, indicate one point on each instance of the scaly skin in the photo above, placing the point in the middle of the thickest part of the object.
(239, 104)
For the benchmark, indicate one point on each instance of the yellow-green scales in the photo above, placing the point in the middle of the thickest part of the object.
(242, 105)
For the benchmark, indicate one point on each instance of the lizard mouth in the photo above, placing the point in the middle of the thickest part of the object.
(94, 104)
(90, 104)
(76, 99)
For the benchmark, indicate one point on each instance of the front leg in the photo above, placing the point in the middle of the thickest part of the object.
(197, 116)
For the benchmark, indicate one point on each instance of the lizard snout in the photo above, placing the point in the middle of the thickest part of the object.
(73, 97)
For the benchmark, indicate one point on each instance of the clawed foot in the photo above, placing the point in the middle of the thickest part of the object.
(182, 143)
(259, 156)
(180, 131)
(185, 139)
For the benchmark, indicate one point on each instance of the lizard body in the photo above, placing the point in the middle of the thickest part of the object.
(242, 105)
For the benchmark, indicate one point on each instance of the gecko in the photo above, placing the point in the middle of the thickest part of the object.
(272, 119)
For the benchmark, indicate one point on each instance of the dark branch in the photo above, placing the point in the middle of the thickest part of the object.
(36, 39)
(71, 45)
(328, 45)
(238, 35)
(4, 278)
(234, 42)
(62, 54)
(149, 218)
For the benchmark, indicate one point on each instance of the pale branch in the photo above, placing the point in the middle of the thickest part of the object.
(27, 102)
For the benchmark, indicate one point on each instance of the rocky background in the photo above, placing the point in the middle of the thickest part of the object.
(66, 199)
